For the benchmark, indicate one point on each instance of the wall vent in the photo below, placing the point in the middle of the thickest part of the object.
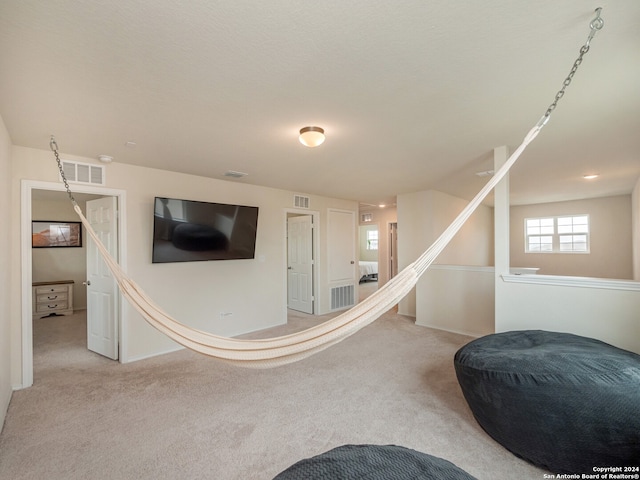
(343, 296)
(300, 201)
(84, 173)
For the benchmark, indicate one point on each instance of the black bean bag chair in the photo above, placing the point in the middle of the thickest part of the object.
(373, 462)
(560, 401)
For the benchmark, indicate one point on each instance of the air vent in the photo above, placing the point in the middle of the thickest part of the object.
(300, 201)
(342, 297)
(234, 174)
(85, 173)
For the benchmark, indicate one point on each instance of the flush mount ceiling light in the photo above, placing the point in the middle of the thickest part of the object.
(105, 158)
(311, 136)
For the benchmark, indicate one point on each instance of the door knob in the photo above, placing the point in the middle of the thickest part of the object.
(87, 283)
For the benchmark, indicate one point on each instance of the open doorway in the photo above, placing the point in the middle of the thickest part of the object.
(368, 259)
(74, 269)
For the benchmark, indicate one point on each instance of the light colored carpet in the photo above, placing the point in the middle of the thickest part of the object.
(186, 416)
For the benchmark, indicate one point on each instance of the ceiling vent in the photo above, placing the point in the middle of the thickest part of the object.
(300, 201)
(84, 173)
(234, 174)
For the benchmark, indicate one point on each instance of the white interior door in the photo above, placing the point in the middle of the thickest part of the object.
(342, 246)
(300, 263)
(102, 297)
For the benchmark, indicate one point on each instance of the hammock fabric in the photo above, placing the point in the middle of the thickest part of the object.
(265, 353)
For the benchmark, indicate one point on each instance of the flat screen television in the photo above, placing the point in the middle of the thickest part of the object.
(191, 231)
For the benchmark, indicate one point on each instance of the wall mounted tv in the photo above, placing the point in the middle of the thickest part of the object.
(191, 231)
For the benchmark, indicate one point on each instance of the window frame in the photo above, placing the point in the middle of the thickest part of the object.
(375, 241)
(555, 236)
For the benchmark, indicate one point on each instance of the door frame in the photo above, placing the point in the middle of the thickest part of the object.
(315, 236)
(26, 188)
(392, 250)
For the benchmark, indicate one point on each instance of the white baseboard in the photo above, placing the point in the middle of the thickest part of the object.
(458, 332)
(156, 354)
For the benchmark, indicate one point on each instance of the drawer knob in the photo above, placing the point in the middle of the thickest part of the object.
(52, 306)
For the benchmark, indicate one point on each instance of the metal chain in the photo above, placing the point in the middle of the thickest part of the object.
(595, 25)
(54, 146)
(567, 81)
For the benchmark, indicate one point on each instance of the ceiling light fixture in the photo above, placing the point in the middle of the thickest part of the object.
(590, 177)
(311, 136)
(105, 158)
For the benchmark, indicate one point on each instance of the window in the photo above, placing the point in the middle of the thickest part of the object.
(566, 234)
(372, 239)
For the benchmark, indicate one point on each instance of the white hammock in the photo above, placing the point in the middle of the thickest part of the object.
(263, 353)
(286, 349)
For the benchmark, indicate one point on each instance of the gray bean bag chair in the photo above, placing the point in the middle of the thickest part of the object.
(373, 462)
(560, 401)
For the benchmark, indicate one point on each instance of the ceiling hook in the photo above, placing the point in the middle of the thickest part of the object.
(595, 25)
(53, 145)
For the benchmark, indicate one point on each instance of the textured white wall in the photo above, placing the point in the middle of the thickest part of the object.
(611, 238)
(423, 216)
(457, 299)
(6, 290)
(601, 312)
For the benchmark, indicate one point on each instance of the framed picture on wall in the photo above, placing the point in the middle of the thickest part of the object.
(46, 234)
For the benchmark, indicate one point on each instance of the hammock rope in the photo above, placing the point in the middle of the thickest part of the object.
(271, 352)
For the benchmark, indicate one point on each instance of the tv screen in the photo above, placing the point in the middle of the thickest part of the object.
(190, 231)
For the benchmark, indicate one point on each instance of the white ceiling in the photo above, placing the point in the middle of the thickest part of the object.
(413, 95)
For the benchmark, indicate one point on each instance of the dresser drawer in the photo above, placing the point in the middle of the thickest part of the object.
(51, 289)
(52, 297)
(51, 307)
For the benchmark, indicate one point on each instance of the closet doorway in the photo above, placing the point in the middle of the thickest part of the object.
(301, 271)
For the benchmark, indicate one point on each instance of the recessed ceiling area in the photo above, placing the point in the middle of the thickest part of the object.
(412, 95)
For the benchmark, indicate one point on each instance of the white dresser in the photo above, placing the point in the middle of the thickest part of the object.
(52, 297)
